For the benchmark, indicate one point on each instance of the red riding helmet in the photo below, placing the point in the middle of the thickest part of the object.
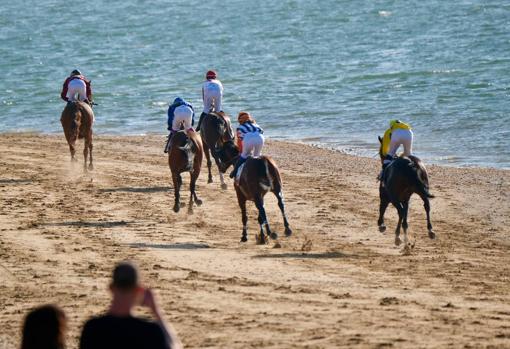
(211, 74)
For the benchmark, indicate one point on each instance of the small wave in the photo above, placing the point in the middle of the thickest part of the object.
(385, 13)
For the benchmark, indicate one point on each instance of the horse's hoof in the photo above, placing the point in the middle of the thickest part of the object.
(91, 167)
(432, 235)
(209, 180)
(397, 241)
(176, 208)
(244, 239)
(382, 228)
(288, 231)
(224, 186)
(261, 240)
(273, 236)
(199, 202)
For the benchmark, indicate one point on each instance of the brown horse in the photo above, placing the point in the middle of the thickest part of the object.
(259, 176)
(77, 119)
(403, 177)
(216, 131)
(185, 155)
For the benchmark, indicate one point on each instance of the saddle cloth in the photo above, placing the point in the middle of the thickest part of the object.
(239, 172)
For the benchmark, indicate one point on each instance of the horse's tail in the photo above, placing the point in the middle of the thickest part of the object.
(273, 175)
(422, 178)
(189, 149)
(74, 112)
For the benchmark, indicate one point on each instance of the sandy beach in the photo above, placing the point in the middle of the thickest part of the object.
(337, 282)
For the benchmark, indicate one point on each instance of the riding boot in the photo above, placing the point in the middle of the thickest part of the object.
(167, 145)
(236, 167)
(200, 121)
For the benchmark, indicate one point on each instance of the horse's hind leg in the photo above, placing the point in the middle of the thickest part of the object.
(209, 162)
(91, 166)
(259, 203)
(242, 204)
(193, 195)
(281, 205)
(85, 154)
(405, 226)
(400, 210)
(426, 204)
(384, 202)
(177, 180)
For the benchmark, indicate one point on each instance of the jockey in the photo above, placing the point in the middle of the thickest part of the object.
(179, 112)
(76, 85)
(212, 94)
(398, 134)
(249, 139)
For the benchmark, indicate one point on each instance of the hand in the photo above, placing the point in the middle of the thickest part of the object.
(149, 301)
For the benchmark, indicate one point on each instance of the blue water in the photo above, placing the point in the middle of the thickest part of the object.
(327, 72)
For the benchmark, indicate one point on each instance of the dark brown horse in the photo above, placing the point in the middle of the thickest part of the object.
(77, 119)
(401, 179)
(185, 155)
(215, 131)
(259, 176)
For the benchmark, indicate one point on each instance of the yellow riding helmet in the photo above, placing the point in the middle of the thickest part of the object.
(244, 117)
(393, 122)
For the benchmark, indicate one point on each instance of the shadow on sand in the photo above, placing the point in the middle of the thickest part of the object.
(14, 181)
(303, 255)
(83, 224)
(176, 246)
(135, 189)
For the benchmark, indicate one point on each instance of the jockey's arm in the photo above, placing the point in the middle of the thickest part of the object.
(240, 141)
(89, 90)
(63, 94)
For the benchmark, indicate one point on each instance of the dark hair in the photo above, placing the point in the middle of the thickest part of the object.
(44, 328)
(125, 276)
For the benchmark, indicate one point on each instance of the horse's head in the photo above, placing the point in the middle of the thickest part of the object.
(228, 154)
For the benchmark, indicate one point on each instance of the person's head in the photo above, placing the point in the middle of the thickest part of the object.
(244, 117)
(125, 285)
(393, 122)
(44, 327)
(211, 75)
(178, 100)
(75, 72)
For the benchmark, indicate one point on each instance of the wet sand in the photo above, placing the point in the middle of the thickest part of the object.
(337, 282)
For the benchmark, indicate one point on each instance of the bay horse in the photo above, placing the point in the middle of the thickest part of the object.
(215, 131)
(256, 179)
(402, 178)
(185, 155)
(77, 119)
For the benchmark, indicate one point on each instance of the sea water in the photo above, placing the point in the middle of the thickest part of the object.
(326, 72)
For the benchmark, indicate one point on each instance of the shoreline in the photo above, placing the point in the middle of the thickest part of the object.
(270, 139)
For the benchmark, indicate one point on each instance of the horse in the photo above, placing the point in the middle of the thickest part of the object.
(256, 179)
(402, 178)
(185, 155)
(216, 131)
(77, 119)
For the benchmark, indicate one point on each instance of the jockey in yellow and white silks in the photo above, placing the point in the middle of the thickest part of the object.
(398, 134)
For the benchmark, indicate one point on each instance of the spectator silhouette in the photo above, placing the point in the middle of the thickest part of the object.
(118, 328)
(44, 328)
